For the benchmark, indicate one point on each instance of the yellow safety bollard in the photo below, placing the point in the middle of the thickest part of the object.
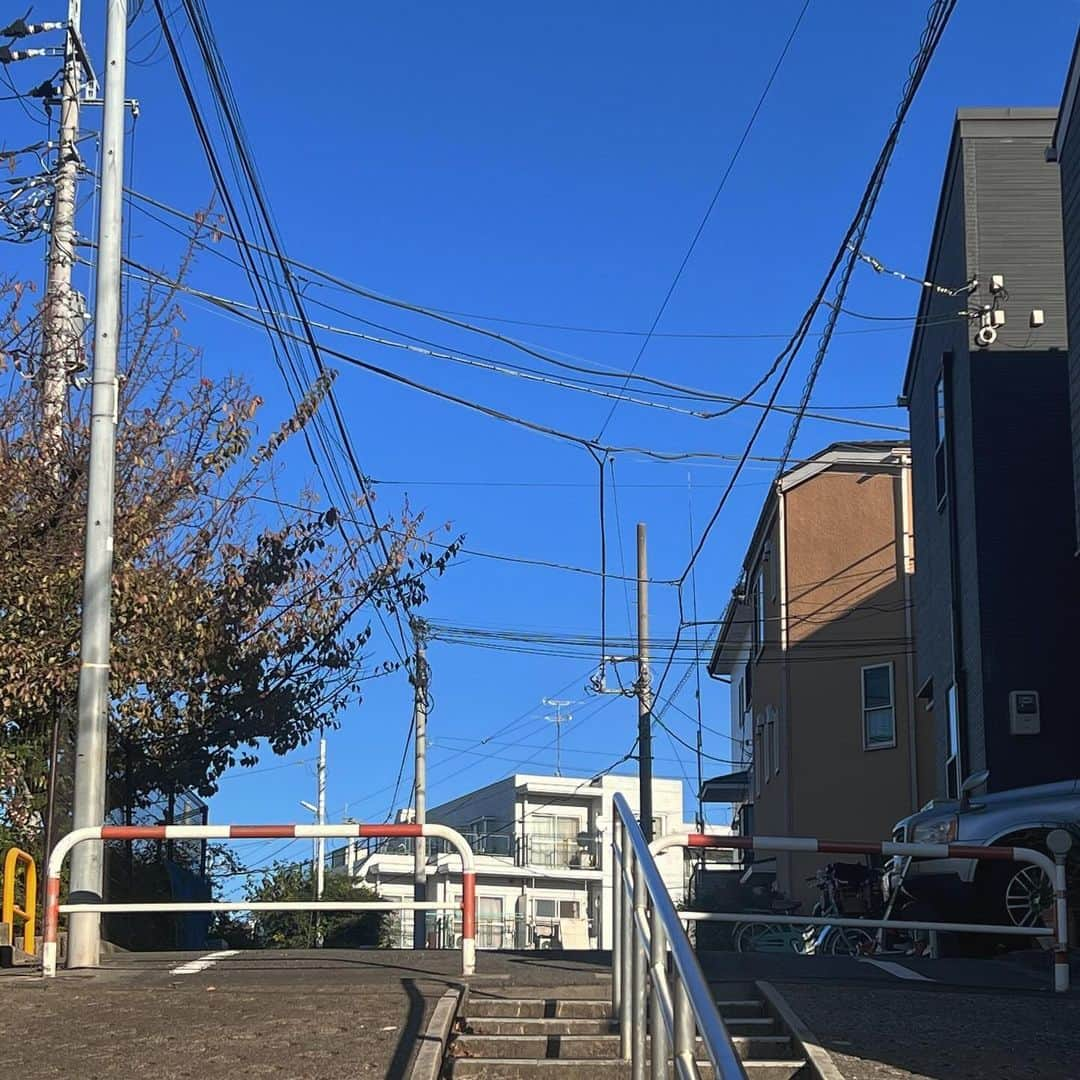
(9, 910)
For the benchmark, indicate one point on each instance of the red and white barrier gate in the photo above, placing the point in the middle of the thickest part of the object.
(1053, 869)
(53, 907)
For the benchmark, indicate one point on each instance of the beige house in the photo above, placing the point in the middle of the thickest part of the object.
(817, 645)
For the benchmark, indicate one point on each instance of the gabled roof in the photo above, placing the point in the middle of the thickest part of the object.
(986, 123)
(868, 452)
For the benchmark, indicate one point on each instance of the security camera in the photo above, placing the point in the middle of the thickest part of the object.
(986, 335)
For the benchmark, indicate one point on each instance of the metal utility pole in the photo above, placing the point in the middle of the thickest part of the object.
(320, 846)
(420, 707)
(87, 862)
(644, 690)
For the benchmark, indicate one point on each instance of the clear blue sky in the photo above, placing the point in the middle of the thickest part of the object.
(540, 163)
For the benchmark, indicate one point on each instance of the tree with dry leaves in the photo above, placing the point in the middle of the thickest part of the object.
(239, 618)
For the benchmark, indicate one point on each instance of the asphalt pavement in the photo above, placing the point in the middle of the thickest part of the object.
(337, 1014)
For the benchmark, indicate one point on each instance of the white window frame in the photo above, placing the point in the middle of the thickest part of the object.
(760, 618)
(866, 743)
(757, 755)
(773, 721)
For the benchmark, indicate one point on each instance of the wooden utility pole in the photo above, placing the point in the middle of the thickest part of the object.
(644, 691)
(420, 707)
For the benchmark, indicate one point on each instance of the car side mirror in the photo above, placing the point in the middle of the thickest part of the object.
(975, 780)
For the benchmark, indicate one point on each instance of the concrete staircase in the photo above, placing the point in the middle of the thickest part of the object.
(537, 1035)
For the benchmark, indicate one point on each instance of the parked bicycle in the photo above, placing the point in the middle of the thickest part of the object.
(846, 890)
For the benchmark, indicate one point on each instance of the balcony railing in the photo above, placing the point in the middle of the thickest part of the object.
(580, 852)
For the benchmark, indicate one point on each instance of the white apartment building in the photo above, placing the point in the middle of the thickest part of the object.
(543, 860)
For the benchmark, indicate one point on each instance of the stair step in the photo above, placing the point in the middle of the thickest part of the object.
(563, 1009)
(763, 1047)
(540, 1025)
(783, 1069)
(563, 1047)
(540, 1068)
(603, 1068)
(751, 1025)
(740, 1007)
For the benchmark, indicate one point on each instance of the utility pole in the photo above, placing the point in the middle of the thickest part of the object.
(62, 327)
(644, 690)
(320, 846)
(420, 707)
(558, 720)
(61, 339)
(87, 862)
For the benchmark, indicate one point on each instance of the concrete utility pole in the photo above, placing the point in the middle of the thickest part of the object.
(420, 707)
(644, 690)
(62, 328)
(61, 319)
(87, 863)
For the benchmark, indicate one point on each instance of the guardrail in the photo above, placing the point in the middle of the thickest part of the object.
(53, 907)
(9, 910)
(1053, 869)
(674, 1008)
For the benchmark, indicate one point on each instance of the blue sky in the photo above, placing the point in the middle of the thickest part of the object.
(545, 164)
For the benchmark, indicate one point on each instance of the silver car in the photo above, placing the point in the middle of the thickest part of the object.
(1016, 893)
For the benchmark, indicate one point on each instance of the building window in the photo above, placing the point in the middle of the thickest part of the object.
(878, 707)
(941, 459)
(759, 613)
(953, 763)
(556, 909)
(773, 732)
(757, 759)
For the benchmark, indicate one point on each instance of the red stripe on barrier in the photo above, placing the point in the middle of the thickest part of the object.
(709, 841)
(839, 847)
(261, 832)
(468, 905)
(52, 910)
(400, 829)
(970, 851)
(132, 832)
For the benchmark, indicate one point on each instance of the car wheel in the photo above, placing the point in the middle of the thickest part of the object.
(1028, 895)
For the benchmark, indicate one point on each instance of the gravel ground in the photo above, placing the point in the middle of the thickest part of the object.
(877, 1033)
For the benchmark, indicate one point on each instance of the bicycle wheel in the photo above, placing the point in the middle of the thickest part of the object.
(848, 941)
(751, 936)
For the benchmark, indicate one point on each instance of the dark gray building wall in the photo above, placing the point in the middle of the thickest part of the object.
(1009, 451)
(1027, 576)
(1067, 149)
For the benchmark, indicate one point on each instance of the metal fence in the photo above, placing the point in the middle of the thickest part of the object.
(54, 909)
(1054, 871)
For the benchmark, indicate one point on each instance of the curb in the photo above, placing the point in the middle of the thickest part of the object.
(817, 1057)
(428, 1062)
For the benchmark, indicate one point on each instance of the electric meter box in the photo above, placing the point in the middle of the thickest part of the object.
(1024, 712)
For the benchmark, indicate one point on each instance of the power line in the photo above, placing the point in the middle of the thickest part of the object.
(937, 18)
(709, 209)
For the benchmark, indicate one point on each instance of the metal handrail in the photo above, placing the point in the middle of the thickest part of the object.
(672, 1003)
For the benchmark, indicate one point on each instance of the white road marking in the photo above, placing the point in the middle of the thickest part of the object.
(193, 967)
(898, 970)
